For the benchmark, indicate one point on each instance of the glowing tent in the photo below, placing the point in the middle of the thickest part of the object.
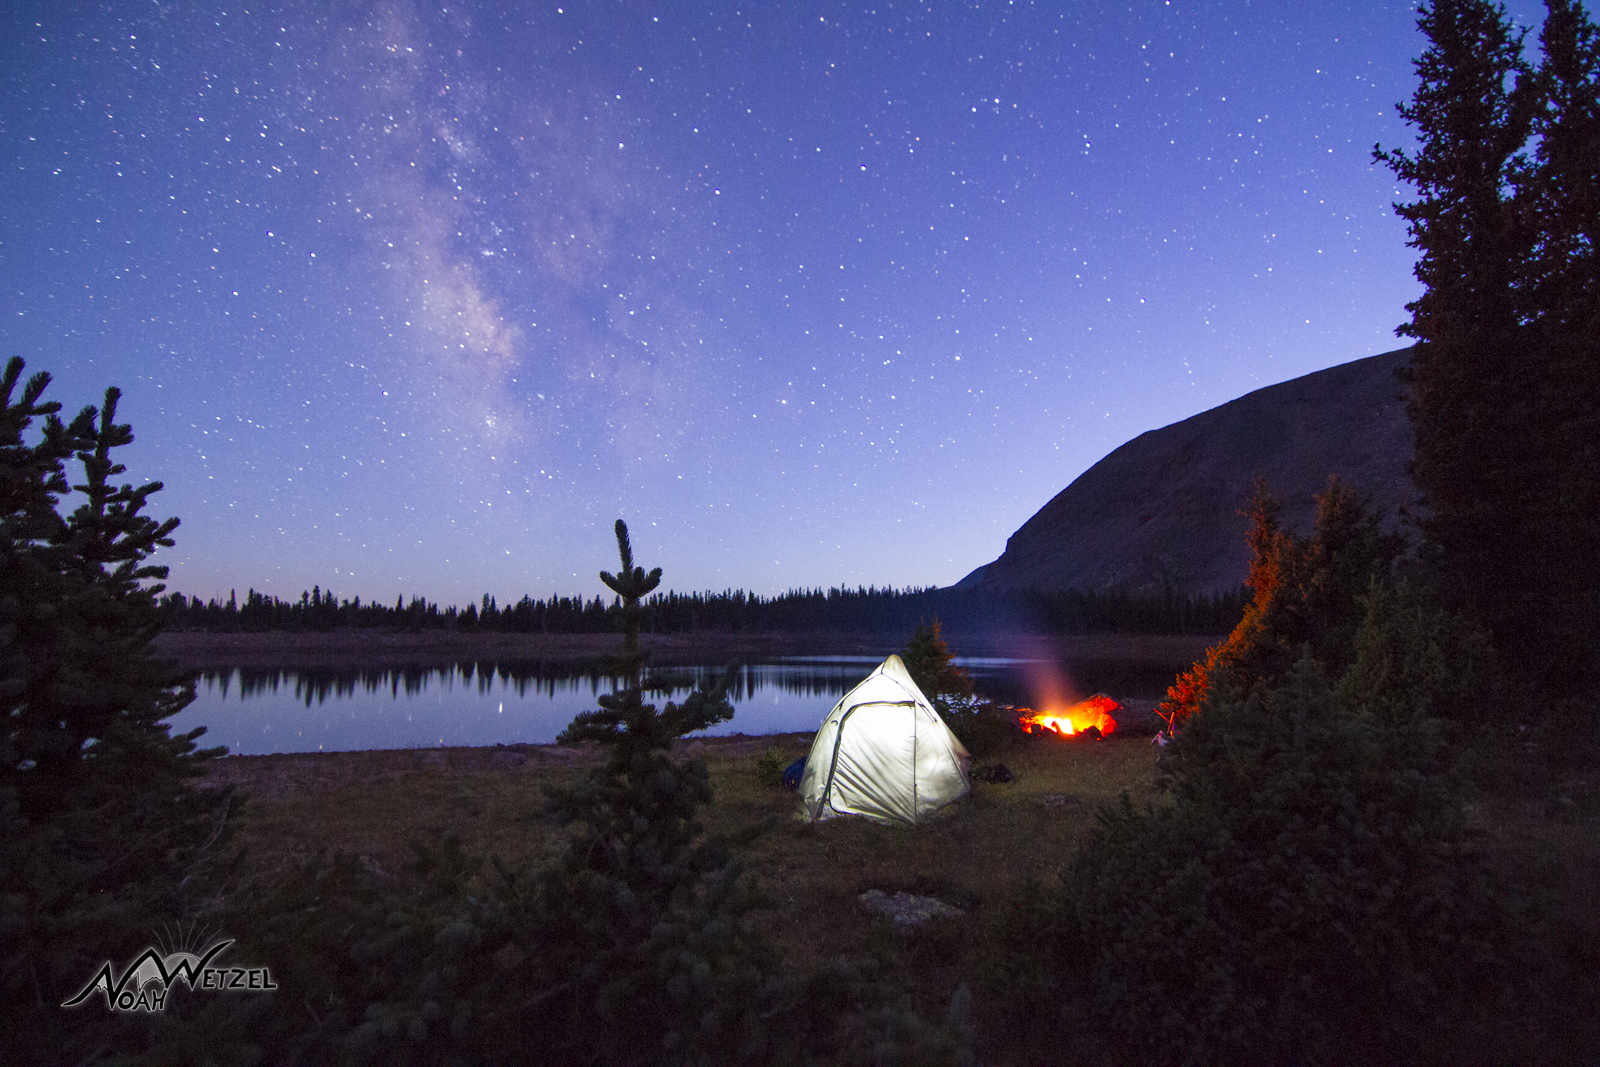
(883, 752)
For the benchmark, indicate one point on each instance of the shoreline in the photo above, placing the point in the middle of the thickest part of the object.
(280, 775)
(381, 648)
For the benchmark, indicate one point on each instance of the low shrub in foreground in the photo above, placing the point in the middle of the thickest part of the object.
(455, 961)
(1308, 892)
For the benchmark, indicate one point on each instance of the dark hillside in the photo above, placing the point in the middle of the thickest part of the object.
(1163, 509)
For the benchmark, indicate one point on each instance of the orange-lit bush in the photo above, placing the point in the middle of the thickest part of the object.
(1307, 591)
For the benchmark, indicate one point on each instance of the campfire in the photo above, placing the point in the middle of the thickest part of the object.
(1082, 717)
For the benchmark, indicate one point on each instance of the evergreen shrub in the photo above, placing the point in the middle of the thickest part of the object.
(1308, 890)
(980, 728)
(949, 689)
(1306, 593)
(769, 768)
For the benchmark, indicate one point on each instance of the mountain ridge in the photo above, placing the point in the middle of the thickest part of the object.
(1162, 510)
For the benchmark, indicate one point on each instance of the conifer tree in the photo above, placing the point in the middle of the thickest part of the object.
(1564, 290)
(1505, 376)
(929, 662)
(102, 835)
(1561, 189)
(664, 958)
(632, 584)
(1307, 595)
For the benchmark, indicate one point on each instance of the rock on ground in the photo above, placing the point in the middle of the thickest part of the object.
(905, 910)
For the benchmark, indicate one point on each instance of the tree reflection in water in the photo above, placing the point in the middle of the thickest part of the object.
(307, 707)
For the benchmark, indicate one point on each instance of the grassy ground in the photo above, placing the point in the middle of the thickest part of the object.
(1538, 807)
(371, 804)
(972, 855)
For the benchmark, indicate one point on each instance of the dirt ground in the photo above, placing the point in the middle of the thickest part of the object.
(372, 805)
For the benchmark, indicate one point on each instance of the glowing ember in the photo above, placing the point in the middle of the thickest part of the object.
(1095, 712)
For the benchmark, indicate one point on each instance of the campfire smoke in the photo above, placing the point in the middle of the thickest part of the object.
(1059, 710)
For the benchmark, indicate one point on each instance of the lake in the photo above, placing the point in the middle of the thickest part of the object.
(258, 711)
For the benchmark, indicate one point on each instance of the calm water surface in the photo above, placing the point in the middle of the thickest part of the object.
(256, 711)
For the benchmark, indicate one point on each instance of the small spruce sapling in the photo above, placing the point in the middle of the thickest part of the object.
(949, 689)
(670, 959)
(930, 663)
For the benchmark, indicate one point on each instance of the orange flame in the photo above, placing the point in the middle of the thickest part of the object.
(1095, 712)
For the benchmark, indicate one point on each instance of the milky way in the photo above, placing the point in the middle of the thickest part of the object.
(410, 300)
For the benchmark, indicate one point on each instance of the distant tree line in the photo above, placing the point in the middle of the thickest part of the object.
(865, 609)
(319, 612)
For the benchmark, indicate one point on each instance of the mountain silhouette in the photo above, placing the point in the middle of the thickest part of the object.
(1163, 509)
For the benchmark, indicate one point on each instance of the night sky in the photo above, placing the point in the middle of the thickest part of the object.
(417, 301)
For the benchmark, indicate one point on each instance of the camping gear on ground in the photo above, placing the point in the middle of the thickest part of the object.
(792, 773)
(883, 752)
(998, 774)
